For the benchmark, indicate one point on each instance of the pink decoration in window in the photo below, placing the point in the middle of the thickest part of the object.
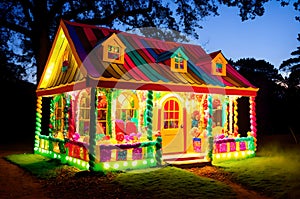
(243, 146)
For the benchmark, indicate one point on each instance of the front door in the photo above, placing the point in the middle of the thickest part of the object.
(172, 131)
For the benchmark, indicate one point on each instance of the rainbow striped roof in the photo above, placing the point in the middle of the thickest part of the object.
(145, 67)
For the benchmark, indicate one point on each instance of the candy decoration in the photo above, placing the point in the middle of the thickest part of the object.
(71, 122)
(93, 122)
(235, 119)
(120, 137)
(38, 122)
(109, 111)
(253, 119)
(149, 114)
(209, 128)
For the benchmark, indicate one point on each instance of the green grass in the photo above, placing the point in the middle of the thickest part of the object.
(171, 182)
(274, 172)
(38, 165)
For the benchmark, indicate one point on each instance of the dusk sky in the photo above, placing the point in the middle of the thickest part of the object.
(271, 37)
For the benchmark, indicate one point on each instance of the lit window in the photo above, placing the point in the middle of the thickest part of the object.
(84, 114)
(127, 105)
(59, 115)
(219, 67)
(171, 114)
(113, 50)
(179, 61)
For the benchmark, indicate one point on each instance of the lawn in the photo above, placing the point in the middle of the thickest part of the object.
(273, 172)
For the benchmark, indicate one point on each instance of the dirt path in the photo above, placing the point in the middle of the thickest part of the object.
(14, 181)
(214, 173)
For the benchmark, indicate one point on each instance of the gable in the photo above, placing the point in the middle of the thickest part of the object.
(113, 50)
(218, 65)
(61, 67)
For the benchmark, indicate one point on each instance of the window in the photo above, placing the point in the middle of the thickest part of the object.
(102, 113)
(127, 106)
(219, 65)
(179, 61)
(113, 50)
(171, 114)
(59, 115)
(84, 113)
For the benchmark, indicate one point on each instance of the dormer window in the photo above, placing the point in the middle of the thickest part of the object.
(218, 64)
(179, 62)
(219, 67)
(113, 50)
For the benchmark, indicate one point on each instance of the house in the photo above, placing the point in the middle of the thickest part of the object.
(122, 101)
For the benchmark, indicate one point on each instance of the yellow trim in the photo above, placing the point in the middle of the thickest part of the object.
(219, 59)
(113, 40)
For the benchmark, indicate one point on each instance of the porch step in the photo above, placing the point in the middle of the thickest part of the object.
(186, 160)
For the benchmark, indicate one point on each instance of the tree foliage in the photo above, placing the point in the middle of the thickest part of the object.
(31, 24)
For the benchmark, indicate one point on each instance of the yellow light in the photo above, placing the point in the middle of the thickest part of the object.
(116, 165)
(218, 156)
(134, 163)
(74, 161)
(67, 158)
(83, 164)
(224, 155)
(236, 154)
(78, 161)
(228, 155)
(106, 165)
(49, 71)
(243, 153)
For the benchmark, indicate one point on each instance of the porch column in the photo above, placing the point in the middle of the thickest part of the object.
(253, 118)
(230, 115)
(93, 117)
(149, 114)
(210, 138)
(235, 117)
(38, 123)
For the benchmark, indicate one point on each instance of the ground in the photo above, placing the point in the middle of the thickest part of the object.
(15, 182)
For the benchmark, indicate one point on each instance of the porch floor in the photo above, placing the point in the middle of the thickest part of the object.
(186, 159)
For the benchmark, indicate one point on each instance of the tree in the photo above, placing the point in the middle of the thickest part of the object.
(32, 23)
(292, 65)
(271, 95)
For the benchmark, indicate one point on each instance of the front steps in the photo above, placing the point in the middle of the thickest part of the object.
(186, 160)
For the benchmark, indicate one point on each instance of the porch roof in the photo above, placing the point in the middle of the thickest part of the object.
(140, 70)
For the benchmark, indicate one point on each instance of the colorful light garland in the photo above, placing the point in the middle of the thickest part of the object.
(253, 119)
